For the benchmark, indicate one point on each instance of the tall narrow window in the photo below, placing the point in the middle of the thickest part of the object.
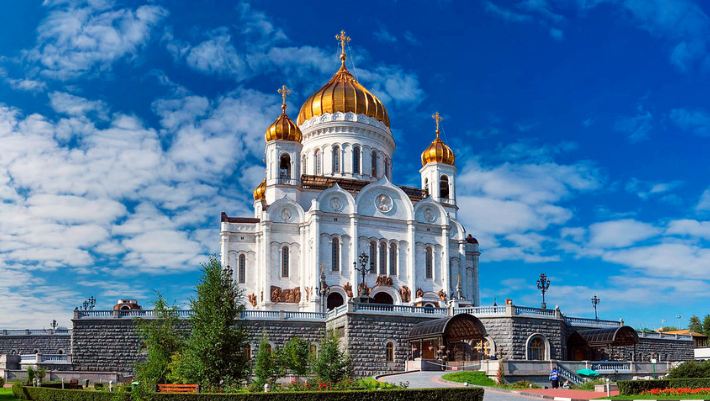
(304, 165)
(336, 159)
(393, 259)
(317, 160)
(373, 255)
(285, 167)
(429, 262)
(356, 159)
(389, 352)
(374, 163)
(247, 352)
(444, 187)
(335, 255)
(284, 262)
(536, 349)
(383, 258)
(242, 268)
(426, 186)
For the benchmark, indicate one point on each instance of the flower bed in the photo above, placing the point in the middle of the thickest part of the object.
(678, 391)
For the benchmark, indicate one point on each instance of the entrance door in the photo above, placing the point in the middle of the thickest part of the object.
(383, 298)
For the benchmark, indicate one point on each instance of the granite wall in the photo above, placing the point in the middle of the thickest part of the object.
(59, 343)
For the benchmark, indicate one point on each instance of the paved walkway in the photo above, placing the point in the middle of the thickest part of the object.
(434, 380)
(565, 394)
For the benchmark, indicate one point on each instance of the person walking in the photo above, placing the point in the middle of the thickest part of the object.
(555, 378)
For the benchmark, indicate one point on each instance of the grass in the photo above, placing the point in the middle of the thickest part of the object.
(6, 395)
(475, 378)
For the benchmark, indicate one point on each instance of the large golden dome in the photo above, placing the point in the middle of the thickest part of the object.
(283, 128)
(438, 151)
(343, 93)
(260, 191)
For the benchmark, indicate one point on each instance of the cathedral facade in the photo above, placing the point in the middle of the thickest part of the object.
(327, 209)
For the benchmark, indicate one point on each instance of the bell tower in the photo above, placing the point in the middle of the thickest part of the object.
(282, 154)
(438, 171)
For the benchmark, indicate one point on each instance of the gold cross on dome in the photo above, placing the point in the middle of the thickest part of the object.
(438, 118)
(343, 39)
(284, 91)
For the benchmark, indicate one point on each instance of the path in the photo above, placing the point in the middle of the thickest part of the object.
(433, 380)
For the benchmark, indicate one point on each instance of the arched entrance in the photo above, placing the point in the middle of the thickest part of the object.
(334, 300)
(450, 340)
(383, 298)
(577, 348)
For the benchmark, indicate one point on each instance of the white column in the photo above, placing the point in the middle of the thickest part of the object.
(465, 272)
(224, 247)
(355, 250)
(411, 258)
(316, 247)
(445, 279)
(303, 245)
(267, 263)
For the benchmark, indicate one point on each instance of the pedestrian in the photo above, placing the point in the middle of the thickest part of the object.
(555, 378)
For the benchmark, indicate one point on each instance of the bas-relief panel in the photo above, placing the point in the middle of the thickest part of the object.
(383, 202)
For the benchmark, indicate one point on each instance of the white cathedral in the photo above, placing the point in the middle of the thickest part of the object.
(327, 210)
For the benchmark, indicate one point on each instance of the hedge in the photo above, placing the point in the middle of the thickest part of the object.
(632, 387)
(444, 394)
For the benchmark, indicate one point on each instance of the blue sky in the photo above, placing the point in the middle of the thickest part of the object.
(581, 130)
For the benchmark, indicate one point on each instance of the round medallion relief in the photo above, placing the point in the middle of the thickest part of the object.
(429, 215)
(286, 214)
(384, 203)
(336, 203)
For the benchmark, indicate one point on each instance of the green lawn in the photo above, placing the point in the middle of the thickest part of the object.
(6, 395)
(476, 378)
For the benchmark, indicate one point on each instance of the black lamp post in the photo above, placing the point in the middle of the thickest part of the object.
(90, 303)
(543, 284)
(323, 290)
(364, 269)
(595, 302)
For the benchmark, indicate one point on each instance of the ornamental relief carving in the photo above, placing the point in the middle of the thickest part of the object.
(442, 295)
(420, 293)
(384, 203)
(384, 281)
(289, 295)
(348, 289)
(405, 293)
(252, 299)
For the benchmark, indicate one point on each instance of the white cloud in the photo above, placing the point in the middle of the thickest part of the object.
(74, 40)
(620, 233)
(217, 56)
(647, 190)
(704, 201)
(688, 227)
(636, 127)
(694, 121)
(75, 105)
(665, 259)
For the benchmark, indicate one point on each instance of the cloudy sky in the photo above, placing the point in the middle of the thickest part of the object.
(581, 129)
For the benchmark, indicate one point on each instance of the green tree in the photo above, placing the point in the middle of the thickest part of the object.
(694, 324)
(331, 365)
(266, 364)
(295, 355)
(706, 325)
(161, 340)
(214, 355)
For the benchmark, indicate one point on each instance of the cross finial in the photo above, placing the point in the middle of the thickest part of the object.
(438, 118)
(284, 91)
(343, 39)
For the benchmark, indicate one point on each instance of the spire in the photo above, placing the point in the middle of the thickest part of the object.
(343, 39)
(284, 92)
(438, 118)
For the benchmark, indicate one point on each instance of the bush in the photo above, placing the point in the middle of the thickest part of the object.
(443, 394)
(2, 382)
(477, 378)
(632, 387)
(18, 391)
(691, 369)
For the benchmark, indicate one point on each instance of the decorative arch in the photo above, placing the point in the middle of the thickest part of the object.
(336, 200)
(366, 199)
(391, 291)
(285, 166)
(537, 348)
(429, 212)
(285, 210)
(390, 350)
(336, 289)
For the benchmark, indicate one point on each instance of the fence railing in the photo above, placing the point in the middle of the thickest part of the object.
(27, 359)
(482, 310)
(611, 367)
(569, 375)
(35, 332)
(665, 336)
(585, 322)
(525, 310)
(399, 309)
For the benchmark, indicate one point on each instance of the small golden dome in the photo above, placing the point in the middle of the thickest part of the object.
(283, 128)
(343, 93)
(438, 151)
(260, 191)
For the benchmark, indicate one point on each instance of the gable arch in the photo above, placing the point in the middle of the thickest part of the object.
(285, 210)
(395, 203)
(336, 200)
(429, 212)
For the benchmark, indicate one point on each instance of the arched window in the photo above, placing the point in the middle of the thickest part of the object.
(383, 259)
(393, 259)
(284, 261)
(426, 186)
(313, 349)
(373, 256)
(429, 262)
(317, 160)
(335, 254)
(247, 352)
(536, 349)
(374, 163)
(242, 268)
(304, 165)
(444, 187)
(336, 159)
(389, 351)
(60, 351)
(285, 167)
(356, 160)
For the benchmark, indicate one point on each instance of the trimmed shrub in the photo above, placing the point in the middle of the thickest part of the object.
(632, 387)
(18, 390)
(444, 394)
(691, 369)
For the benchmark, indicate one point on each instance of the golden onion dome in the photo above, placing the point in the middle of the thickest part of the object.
(283, 128)
(438, 151)
(343, 93)
(260, 191)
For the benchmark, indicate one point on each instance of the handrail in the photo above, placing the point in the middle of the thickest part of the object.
(569, 375)
(581, 321)
(526, 310)
(34, 332)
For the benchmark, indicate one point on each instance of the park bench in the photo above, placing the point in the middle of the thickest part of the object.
(178, 388)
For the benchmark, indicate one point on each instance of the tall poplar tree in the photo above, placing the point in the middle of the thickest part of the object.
(214, 354)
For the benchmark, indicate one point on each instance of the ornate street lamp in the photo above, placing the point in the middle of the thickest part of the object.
(89, 304)
(364, 269)
(595, 302)
(543, 284)
(323, 290)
